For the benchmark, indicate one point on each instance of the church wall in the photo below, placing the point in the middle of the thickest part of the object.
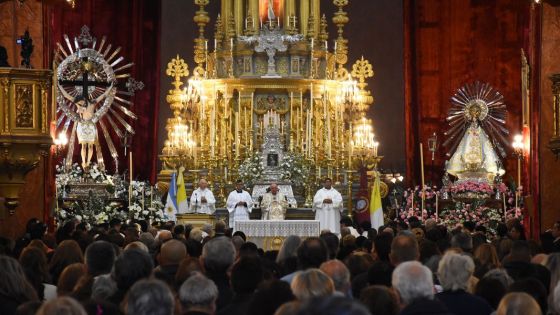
(14, 20)
(449, 44)
(549, 165)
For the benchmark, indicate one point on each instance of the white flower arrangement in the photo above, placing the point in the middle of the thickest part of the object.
(294, 168)
(251, 169)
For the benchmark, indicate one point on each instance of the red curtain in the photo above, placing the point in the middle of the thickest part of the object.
(133, 25)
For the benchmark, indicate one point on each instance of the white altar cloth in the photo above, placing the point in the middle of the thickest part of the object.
(262, 232)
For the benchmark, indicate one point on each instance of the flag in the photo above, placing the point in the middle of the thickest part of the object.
(182, 204)
(171, 204)
(375, 208)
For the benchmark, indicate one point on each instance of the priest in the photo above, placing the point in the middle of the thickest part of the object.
(327, 205)
(274, 204)
(239, 204)
(202, 199)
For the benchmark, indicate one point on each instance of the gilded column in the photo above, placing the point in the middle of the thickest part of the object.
(316, 11)
(239, 16)
(303, 15)
(254, 10)
(227, 7)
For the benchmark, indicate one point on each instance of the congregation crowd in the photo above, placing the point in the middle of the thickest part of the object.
(401, 268)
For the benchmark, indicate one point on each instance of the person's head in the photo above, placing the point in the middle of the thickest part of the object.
(274, 188)
(150, 297)
(186, 268)
(13, 283)
(131, 266)
(332, 242)
(382, 245)
(289, 248)
(196, 235)
(462, 241)
(380, 273)
(379, 300)
(115, 224)
(198, 293)
(553, 265)
(28, 308)
(100, 256)
(172, 253)
(269, 297)
(62, 305)
(430, 224)
(34, 263)
(487, 255)
(137, 245)
(327, 183)
(202, 183)
(411, 280)
(454, 271)
(239, 185)
(69, 278)
(469, 226)
(334, 305)
(404, 248)
(490, 289)
(517, 232)
(312, 283)
(520, 251)
(312, 253)
(220, 228)
(68, 252)
(346, 221)
(534, 288)
(218, 255)
(339, 274)
(518, 303)
(246, 275)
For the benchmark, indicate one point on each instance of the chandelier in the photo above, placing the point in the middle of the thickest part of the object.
(363, 143)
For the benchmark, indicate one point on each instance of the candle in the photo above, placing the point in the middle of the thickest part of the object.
(246, 23)
(437, 206)
(215, 44)
(326, 45)
(151, 196)
(422, 175)
(312, 42)
(261, 22)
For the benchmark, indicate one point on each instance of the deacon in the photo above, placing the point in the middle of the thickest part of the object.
(327, 205)
(202, 199)
(274, 204)
(239, 204)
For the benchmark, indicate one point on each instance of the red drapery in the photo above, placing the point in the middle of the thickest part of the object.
(133, 25)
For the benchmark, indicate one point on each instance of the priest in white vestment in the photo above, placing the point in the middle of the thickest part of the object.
(239, 204)
(202, 199)
(274, 204)
(327, 205)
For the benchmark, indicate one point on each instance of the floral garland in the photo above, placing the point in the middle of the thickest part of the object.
(294, 169)
(455, 213)
(145, 200)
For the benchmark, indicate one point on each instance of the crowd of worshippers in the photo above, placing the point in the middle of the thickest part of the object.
(413, 268)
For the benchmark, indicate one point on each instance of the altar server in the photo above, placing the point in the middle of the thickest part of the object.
(202, 199)
(327, 205)
(239, 204)
(274, 204)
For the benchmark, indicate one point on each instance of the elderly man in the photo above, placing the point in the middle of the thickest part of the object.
(454, 272)
(414, 286)
(202, 199)
(340, 276)
(327, 205)
(274, 204)
(150, 297)
(198, 295)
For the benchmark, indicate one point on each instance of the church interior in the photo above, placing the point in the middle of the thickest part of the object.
(278, 118)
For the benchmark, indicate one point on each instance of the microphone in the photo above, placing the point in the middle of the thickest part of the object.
(195, 202)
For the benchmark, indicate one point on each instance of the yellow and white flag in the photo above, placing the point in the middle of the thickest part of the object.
(182, 203)
(375, 206)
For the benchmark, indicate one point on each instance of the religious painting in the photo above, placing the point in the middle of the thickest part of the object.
(295, 65)
(272, 160)
(277, 7)
(247, 65)
(277, 103)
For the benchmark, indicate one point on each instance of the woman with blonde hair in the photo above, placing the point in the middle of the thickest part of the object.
(487, 258)
(312, 283)
(518, 303)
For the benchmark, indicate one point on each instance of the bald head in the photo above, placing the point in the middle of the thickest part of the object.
(172, 252)
(404, 248)
(202, 183)
(164, 235)
(339, 274)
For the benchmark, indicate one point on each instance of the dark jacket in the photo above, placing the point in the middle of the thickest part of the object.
(425, 307)
(225, 294)
(238, 306)
(462, 303)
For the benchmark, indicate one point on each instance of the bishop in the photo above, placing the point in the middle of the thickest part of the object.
(202, 199)
(274, 204)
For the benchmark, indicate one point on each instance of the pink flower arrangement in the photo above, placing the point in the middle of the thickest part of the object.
(472, 186)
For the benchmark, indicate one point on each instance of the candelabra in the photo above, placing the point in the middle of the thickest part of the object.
(518, 150)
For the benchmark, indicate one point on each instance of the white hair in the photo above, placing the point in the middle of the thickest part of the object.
(454, 271)
(198, 290)
(412, 280)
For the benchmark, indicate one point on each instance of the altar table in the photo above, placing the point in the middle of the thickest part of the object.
(269, 235)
